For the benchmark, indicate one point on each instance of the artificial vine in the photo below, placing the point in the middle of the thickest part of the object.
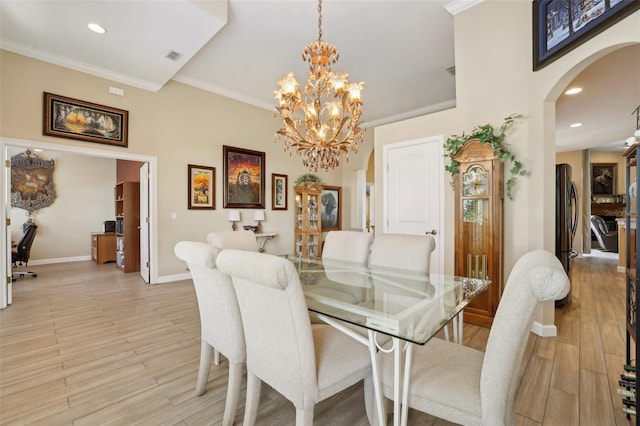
(486, 134)
(308, 179)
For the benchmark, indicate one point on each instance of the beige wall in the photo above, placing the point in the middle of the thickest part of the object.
(84, 200)
(179, 125)
(494, 78)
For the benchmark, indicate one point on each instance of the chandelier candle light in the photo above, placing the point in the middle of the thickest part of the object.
(323, 121)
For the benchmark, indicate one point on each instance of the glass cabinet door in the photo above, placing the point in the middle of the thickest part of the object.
(474, 236)
(312, 211)
(299, 218)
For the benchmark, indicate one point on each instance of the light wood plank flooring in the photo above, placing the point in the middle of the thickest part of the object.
(84, 344)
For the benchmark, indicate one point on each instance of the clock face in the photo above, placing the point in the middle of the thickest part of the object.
(475, 181)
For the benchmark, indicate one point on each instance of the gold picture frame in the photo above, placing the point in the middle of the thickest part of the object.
(202, 187)
(84, 121)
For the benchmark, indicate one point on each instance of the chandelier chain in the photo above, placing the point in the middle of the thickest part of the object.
(319, 20)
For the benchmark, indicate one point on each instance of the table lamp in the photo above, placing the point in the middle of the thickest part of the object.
(258, 215)
(234, 216)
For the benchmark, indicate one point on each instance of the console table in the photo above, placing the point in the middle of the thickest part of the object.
(262, 239)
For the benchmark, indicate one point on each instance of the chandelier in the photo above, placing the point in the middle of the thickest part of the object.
(323, 121)
(636, 135)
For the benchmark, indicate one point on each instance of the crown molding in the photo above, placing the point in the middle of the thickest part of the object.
(457, 6)
(78, 66)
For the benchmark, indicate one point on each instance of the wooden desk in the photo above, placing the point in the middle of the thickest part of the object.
(103, 247)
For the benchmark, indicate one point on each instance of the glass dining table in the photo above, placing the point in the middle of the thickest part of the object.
(394, 310)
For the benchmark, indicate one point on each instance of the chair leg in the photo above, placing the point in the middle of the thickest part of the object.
(206, 350)
(304, 416)
(233, 393)
(252, 399)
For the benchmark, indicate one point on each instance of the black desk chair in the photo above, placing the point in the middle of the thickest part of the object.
(20, 254)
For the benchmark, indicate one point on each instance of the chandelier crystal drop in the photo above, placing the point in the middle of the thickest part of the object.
(321, 122)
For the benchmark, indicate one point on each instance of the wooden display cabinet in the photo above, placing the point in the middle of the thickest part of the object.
(127, 198)
(479, 195)
(306, 224)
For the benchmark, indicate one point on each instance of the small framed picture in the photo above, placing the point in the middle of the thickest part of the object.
(331, 201)
(279, 192)
(244, 178)
(202, 187)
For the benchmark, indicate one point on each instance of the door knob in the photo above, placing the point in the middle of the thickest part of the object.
(433, 232)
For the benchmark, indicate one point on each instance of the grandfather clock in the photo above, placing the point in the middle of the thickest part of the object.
(479, 195)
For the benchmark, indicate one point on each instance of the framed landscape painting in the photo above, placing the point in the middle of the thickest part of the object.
(85, 121)
(244, 176)
(202, 187)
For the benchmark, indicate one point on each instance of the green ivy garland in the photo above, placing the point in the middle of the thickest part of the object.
(308, 179)
(486, 135)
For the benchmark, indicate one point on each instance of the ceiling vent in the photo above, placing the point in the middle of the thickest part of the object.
(174, 56)
(452, 70)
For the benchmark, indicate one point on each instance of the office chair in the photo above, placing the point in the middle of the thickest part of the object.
(20, 254)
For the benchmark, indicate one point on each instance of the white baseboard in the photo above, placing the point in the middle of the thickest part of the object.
(544, 330)
(172, 278)
(59, 260)
(161, 280)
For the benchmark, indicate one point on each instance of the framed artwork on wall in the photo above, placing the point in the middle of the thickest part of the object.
(279, 192)
(603, 178)
(85, 121)
(560, 26)
(202, 187)
(244, 176)
(331, 201)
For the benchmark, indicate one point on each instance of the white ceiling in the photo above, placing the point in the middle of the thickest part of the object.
(240, 48)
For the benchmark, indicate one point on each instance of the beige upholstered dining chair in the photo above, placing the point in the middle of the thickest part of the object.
(241, 240)
(347, 246)
(220, 320)
(305, 363)
(470, 387)
(411, 253)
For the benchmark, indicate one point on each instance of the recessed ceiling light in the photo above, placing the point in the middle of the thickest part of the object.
(573, 91)
(96, 28)
(576, 125)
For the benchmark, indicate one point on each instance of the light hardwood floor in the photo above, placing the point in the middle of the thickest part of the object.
(84, 344)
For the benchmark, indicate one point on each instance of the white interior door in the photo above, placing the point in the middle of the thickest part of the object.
(413, 191)
(144, 222)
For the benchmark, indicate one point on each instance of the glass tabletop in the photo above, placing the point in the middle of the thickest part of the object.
(412, 306)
